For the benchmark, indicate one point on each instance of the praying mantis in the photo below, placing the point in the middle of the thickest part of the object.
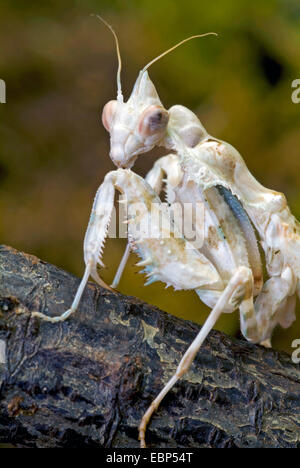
(226, 270)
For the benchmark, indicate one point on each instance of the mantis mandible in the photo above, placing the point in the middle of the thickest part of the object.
(226, 271)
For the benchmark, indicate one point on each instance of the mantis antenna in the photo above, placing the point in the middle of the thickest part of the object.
(119, 95)
(175, 47)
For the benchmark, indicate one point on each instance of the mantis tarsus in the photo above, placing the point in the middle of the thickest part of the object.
(226, 271)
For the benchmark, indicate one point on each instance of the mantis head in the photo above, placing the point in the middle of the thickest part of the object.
(135, 126)
(140, 124)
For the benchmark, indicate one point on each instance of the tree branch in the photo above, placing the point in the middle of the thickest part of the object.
(86, 382)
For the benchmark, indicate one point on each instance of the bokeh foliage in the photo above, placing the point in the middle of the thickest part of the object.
(59, 65)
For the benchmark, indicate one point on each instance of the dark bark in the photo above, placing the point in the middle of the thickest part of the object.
(86, 382)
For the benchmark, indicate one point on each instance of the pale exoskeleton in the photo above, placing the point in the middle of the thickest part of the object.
(226, 270)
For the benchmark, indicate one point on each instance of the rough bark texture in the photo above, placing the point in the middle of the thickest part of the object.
(86, 382)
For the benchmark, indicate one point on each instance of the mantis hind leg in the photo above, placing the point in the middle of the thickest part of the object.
(235, 291)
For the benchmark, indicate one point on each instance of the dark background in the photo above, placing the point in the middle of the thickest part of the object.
(59, 65)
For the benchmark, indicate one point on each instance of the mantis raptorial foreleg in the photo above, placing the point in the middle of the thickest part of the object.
(169, 167)
(163, 255)
(93, 244)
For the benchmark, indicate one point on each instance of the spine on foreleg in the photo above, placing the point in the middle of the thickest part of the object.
(167, 256)
(98, 225)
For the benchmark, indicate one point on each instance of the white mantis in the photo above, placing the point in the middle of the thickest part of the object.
(226, 271)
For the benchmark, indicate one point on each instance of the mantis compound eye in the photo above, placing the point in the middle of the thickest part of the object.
(108, 113)
(153, 120)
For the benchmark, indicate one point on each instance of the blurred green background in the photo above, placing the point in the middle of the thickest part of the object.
(59, 65)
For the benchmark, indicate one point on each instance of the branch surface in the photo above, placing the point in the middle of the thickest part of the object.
(86, 382)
